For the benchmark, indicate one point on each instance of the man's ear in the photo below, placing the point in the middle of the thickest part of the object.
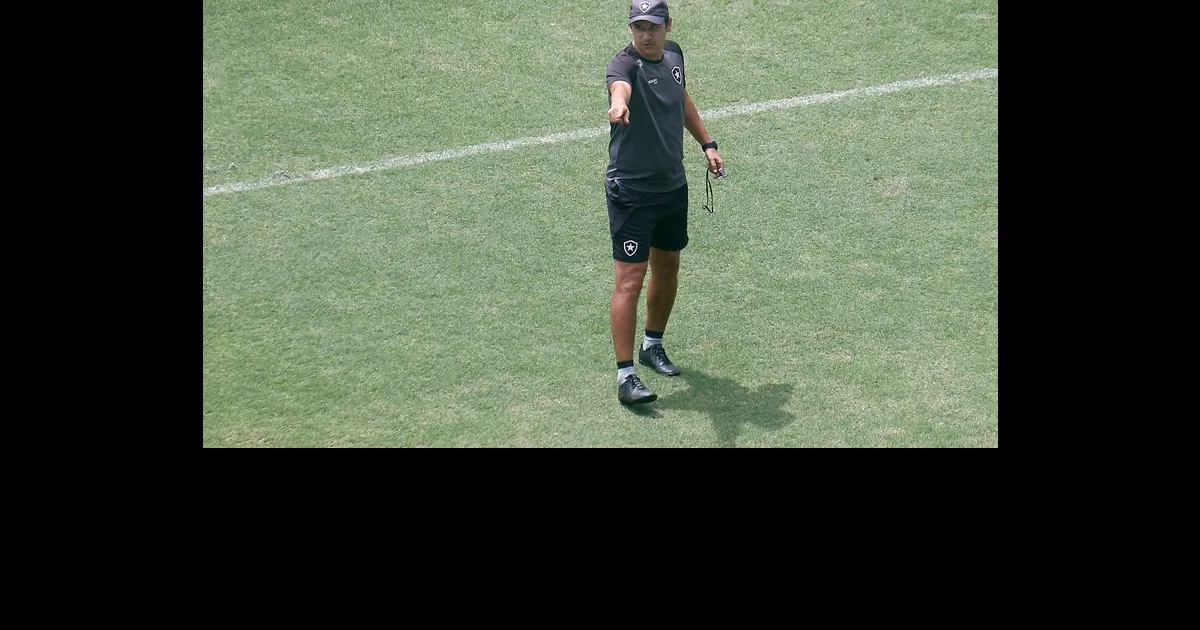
(668, 25)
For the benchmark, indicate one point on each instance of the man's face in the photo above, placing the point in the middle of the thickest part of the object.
(648, 38)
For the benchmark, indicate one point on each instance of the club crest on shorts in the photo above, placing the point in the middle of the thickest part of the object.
(678, 74)
(630, 248)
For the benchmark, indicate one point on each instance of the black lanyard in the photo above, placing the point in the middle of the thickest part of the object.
(708, 193)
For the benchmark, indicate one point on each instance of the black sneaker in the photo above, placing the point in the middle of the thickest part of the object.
(632, 391)
(656, 357)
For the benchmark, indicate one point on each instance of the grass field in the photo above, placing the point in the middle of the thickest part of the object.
(383, 267)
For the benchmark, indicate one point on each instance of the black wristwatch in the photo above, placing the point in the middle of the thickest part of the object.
(708, 145)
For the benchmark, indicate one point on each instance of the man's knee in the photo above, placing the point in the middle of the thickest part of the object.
(629, 277)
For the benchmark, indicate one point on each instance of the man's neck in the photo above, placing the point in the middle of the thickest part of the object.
(644, 55)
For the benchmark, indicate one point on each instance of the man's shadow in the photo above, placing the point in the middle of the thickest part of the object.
(729, 403)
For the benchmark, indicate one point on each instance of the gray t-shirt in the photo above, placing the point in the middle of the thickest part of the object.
(647, 154)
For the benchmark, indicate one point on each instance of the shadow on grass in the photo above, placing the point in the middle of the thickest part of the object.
(730, 404)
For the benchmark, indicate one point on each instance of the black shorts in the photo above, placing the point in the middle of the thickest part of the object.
(639, 220)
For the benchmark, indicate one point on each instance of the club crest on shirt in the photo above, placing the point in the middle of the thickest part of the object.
(678, 74)
(630, 248)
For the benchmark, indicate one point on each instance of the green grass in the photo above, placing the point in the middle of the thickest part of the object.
(843, 294)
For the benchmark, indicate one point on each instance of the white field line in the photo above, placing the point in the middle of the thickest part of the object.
(280, 179)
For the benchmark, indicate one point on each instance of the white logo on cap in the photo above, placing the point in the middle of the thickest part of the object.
(645, 6)
(630, 246)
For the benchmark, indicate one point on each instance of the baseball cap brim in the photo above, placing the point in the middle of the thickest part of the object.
(657, 19)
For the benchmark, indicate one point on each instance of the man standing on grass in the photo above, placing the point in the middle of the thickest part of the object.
(646, 187)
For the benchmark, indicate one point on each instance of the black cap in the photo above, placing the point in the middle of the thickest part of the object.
(651, 10)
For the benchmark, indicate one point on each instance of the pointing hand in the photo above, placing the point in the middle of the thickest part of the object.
(618, 114)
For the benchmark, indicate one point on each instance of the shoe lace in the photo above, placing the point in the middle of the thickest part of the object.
(635, 382)
(659, 352)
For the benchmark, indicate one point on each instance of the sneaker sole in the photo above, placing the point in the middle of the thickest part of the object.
(649, 399)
